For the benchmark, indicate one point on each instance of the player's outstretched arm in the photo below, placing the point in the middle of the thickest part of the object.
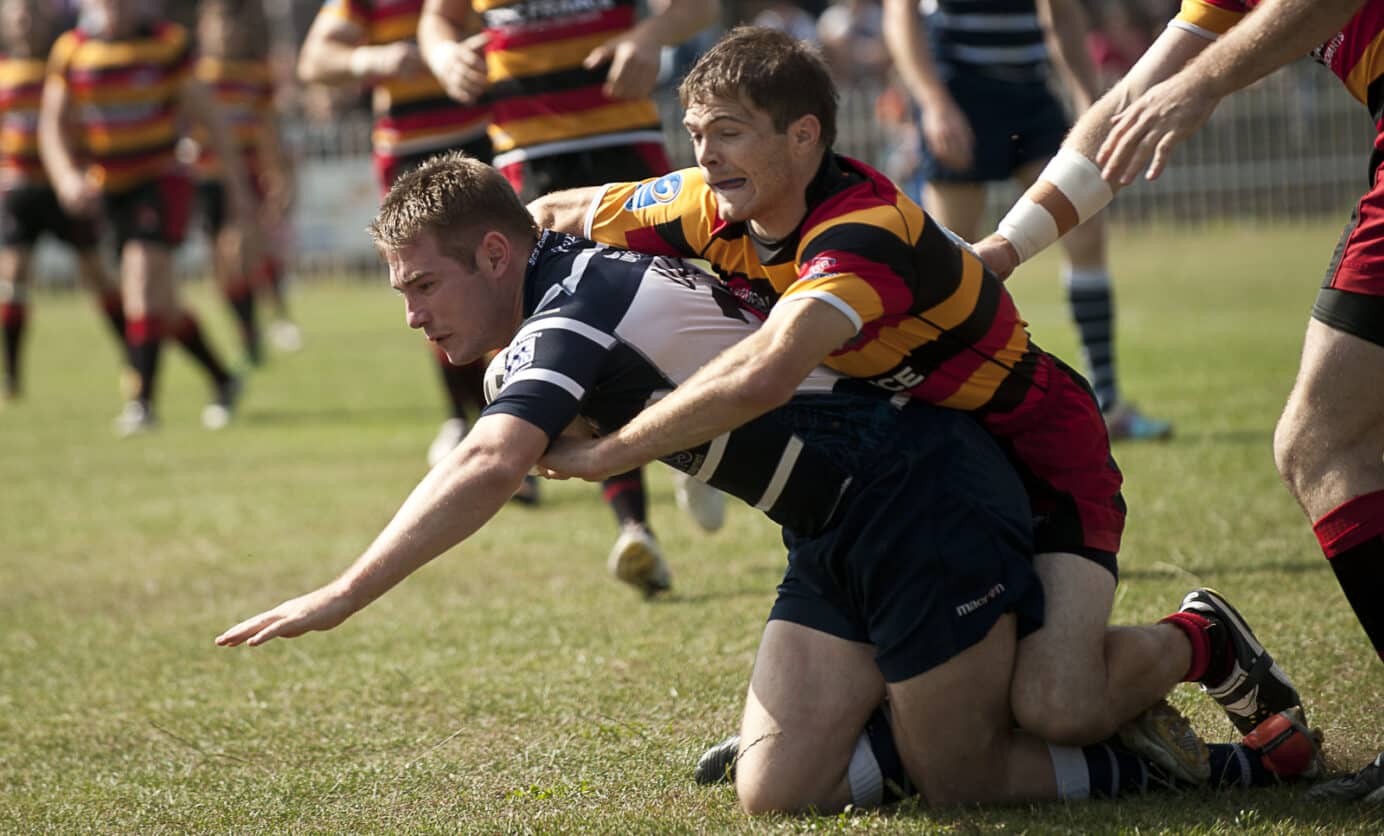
(452, 502)
(1278, 32)
(743, 382)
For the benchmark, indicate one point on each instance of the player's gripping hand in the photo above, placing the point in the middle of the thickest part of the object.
(997, 253)
(633, 65)
(948, 134)
(576, 458)
(460, 67)
(321, 609)
(1166, 114)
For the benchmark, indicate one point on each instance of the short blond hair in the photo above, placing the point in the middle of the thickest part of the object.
(458, 199)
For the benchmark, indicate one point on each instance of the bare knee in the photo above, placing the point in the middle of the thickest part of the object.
(759, 796)
(1296, 453)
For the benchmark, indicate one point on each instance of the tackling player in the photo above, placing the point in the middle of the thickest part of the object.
(849, 272)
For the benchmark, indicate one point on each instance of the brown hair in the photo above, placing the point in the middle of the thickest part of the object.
(777, 73)
(458, 199)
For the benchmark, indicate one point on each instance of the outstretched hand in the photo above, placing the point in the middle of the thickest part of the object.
(1163, 116)
(634, 63)
(321, 609)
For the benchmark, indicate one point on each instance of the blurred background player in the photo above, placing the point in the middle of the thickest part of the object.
(28, 206)
(118, 92)
(233, 62)
(373, 42)
(571, 93)
(978, 70)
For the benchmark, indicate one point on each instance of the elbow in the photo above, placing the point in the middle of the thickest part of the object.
(307, 69)
(543, 213)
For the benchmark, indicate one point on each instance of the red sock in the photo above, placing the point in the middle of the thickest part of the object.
(1352, 538)
(1194, 626)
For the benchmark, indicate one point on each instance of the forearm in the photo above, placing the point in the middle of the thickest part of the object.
(564, 211)
(905, 37)
(443, 23)
(448, 506)
(199, 105)
(54, 145)
(1276, 33)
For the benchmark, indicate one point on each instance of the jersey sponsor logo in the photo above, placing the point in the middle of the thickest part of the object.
(543, 11)
(520, 356)
(663, 190)
(976, 603)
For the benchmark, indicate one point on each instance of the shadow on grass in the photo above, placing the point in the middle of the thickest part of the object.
(278, 417)
(1206, 574)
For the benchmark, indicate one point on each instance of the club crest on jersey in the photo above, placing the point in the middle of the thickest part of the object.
(663, 190)
(520, 356)
(822, 265)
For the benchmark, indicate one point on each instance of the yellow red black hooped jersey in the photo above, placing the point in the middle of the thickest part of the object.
(244, 90)
(931, 320)
(545, 101)
(414, 114)
(1355, 53)
(124, 95)
(21, 88)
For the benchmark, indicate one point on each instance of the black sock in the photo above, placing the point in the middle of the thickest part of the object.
(1093, 309)
(625, 494)
(13, 316)
(144, 342)
(189, 336)
(242, 303)
(1360, 572)
(1235, 765)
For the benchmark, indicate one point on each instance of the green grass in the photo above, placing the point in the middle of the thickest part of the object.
(512, 686)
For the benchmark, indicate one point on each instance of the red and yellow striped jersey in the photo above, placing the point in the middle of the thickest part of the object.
(1355, 54)
(21, 87)
(244, 90)
(413, 113)
(124, 95)
(545, 102)
(931, 320)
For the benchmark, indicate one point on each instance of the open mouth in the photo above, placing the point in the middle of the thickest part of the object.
(729, 185)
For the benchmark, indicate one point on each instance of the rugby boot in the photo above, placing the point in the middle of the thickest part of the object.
(717, 764)
(1367, 785)
(1163, 736)
(1254, 687)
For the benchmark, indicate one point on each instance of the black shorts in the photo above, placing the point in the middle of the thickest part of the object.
(1014, 122)
(211, 203)
(29, 211)
(932, 544)
(1351, 298)
(615, 164)
(156, 211)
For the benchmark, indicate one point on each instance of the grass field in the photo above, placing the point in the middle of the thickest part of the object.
(511, 685)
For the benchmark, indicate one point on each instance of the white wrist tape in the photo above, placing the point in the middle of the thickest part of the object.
(1068, 192)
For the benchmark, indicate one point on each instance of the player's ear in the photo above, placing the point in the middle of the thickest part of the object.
(492, 256)
(805, 132)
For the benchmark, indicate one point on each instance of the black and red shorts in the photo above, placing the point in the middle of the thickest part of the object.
(156, 211)
(389, 168)
(27, 212)
(1352, 295)
(1061, 449)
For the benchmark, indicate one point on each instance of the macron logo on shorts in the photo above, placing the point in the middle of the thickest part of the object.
(971, 606)
(663, 190)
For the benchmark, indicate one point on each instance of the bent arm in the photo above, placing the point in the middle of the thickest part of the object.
(743, 382)
(325, 57)
(54, 139)
(565, 211)
(452, 502)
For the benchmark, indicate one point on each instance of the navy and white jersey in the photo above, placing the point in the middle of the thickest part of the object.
(1001, 38)
(608, 332)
